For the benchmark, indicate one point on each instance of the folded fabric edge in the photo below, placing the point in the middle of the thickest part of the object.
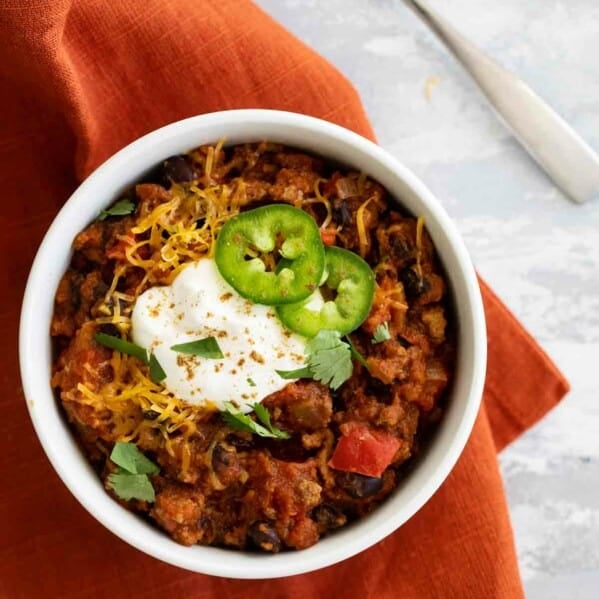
(513, 408)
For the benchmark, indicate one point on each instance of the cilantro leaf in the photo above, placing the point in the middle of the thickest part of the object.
(131, 486)
(264, 418)
(250, 382)
(381, 333)
(324, 340)
(122, 345)
(329, 359)
(205, 348)
(298, 373)
(263, 415)
(243, 422)
(156, 371)
(355, 354)
(131, 480)
(121, 208)
(132, 460)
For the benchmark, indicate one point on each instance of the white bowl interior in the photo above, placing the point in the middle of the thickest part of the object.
(124, 169)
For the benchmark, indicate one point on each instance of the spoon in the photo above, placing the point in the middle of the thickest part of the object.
(566, 158)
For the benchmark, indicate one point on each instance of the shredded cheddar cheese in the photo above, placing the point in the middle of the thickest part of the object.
(131, 396)
(181, 230)
(320, 199)
(362, 237)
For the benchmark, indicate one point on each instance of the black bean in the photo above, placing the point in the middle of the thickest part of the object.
(107, 272)
(113, 302)
(338, 401)
(376, 387)
(265, 537)
(79, 262)
(151, 415)
(400, 248)
(359, 486)
(328, 516)
(342, 213)
(222, 457)
(240, 442)
(414, 285)
(76, 292)
(109, 329)
(177, 169)
(287, 450)
(205, 524)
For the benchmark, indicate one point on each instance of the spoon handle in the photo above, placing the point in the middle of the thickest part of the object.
(566, 158)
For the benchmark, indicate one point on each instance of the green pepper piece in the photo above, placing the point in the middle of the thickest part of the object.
(352, 280)
(288, 231)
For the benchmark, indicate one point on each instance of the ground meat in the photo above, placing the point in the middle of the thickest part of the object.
(150, 195)
(227, 465)
(87, 363)
(66, 304)
(256, 191)
(371, 215)
(303, 533)
(84, 361)
(77, 294)
(389, 308)
(300, 162)
(178, 509)
(435, 322)
(95, 242)
(433, 291)
(293, 185)
(284, 493)
(389, 409)
(301, 406)
(389, 362)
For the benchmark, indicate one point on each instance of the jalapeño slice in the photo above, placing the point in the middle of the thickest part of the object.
(249, 241)
(341, 304)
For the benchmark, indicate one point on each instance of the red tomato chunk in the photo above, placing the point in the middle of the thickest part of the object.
(364, 450)
(328, 236)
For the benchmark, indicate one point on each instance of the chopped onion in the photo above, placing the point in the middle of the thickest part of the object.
(346, 188)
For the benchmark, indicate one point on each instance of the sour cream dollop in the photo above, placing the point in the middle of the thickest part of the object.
(200, 304)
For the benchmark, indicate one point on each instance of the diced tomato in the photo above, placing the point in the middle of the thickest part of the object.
(364, 450)
(328, 236)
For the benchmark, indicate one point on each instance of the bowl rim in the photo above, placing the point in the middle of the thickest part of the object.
(211, 560)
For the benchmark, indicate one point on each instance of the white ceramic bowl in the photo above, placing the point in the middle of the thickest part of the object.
(127, 167)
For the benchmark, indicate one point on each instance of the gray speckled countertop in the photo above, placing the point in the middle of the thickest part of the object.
(539, 251)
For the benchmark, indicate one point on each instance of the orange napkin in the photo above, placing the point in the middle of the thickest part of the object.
(81, 79)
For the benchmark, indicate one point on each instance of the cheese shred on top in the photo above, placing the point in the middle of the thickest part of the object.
(362, 235)
(137, 405)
